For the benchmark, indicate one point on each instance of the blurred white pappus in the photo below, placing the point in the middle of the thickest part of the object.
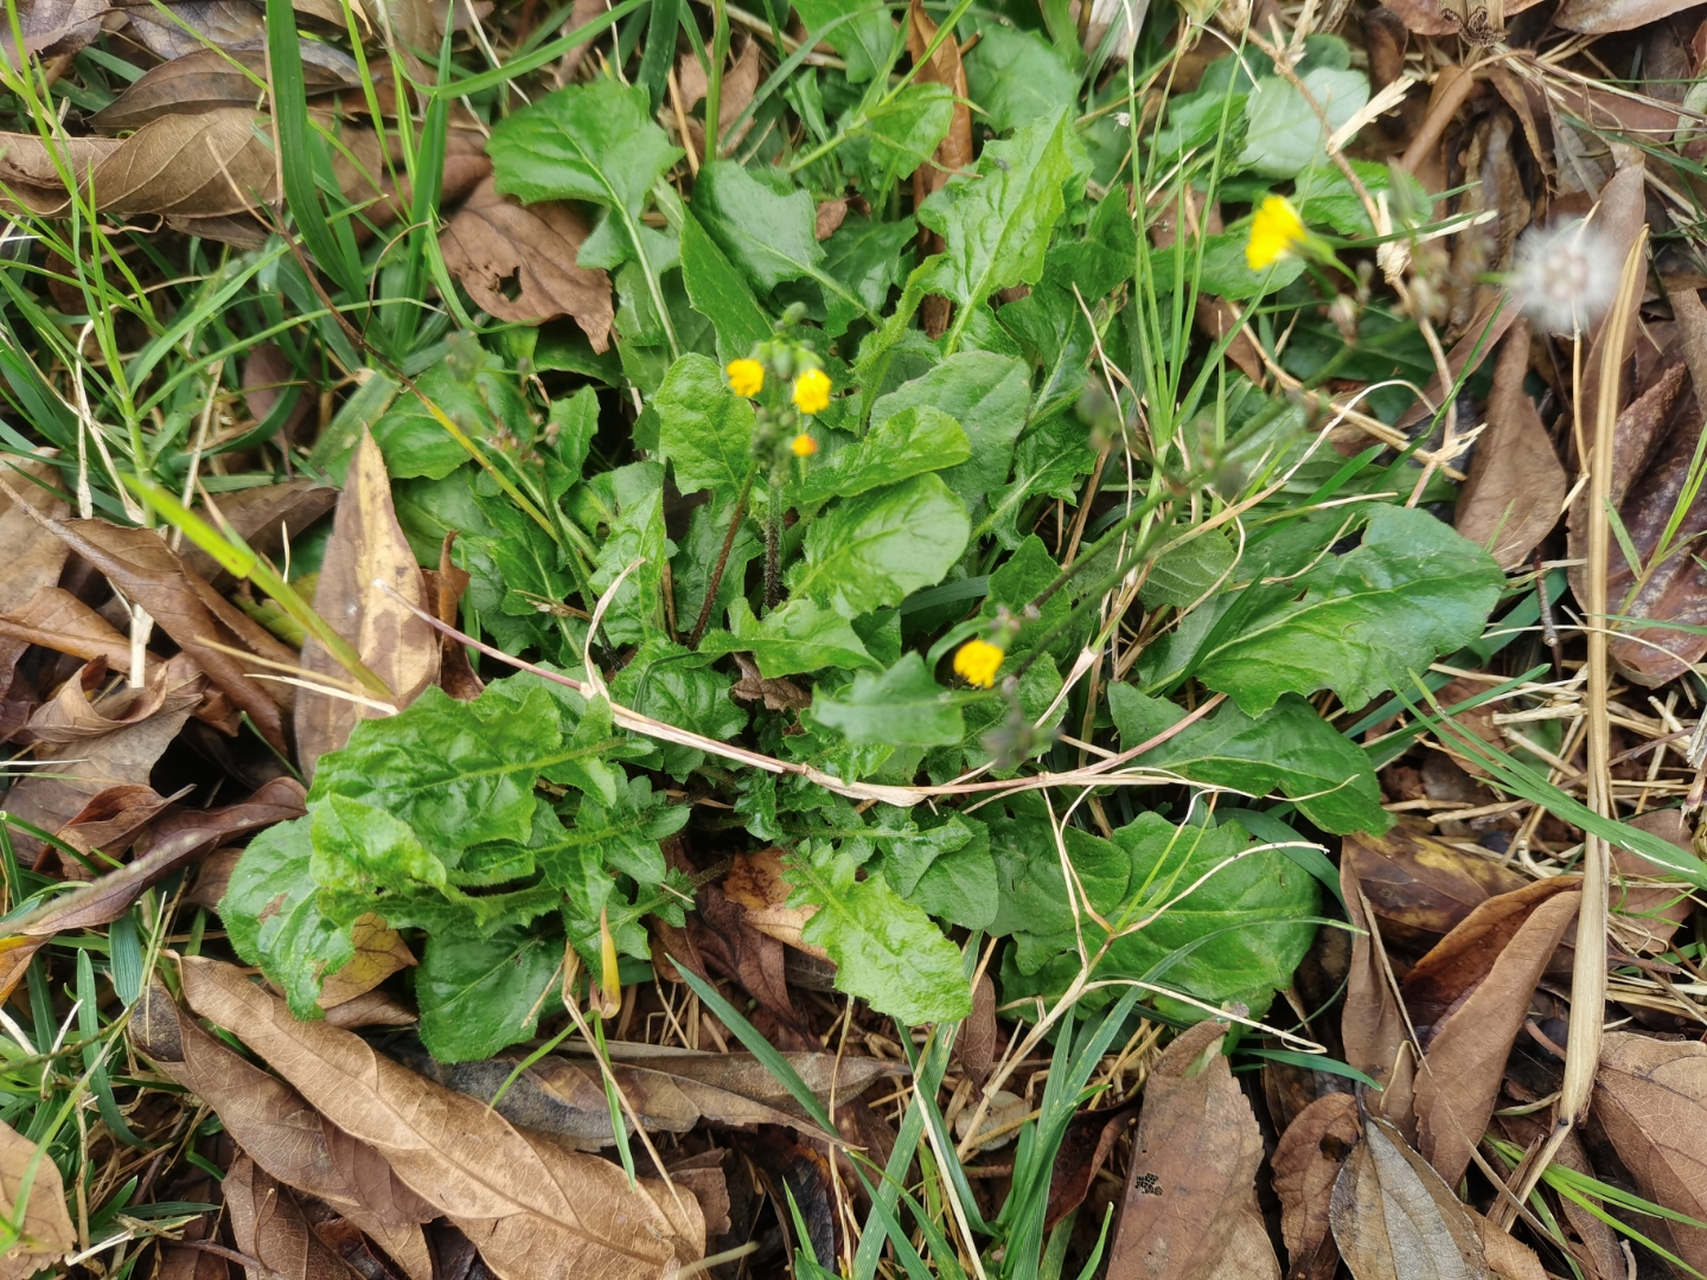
(1564, 276)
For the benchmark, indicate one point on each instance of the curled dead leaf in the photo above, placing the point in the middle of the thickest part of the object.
(139, 563)
(1515, 489)
(379, 952)
(52, 27)
(34, 558)
(114, 817)
(1306, 1163)
(58, 620)
(93, 739)
(1373, 1027)
(390, 637)
(47, 1234)
(671, 1090)
(268, 1224)
(532, 1208)
(266, 517)
(1484, 989)
(192, 24)
(518, 262)
(758, 883)
(277, 1129)
(109, 897)
(1420, 887)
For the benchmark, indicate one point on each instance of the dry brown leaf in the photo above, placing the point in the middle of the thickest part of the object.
(580, 14)
(953, 154)
(1422, 888)
(1435, 18)
(1090, 1139)
(58, 620)
(831, 215)
(113, 818)
(1464, 1062)
(759, 883)
(975, 1044)
(391, 638)
(190, 832)
(533, 1209)
(1597, 17)
(1444, 978)
(1478, 720)
(379, 952)
(1306, 1162)
(1190, 1209)
(266, 517)
(1516, 486)
(52, 27)
(374, 1009)
(181, 1260)
(207, 172)
(216, 163)
(365, 171)
(1675, 591)
(671, 1092)
(846, 1076)
(109, 897)
(518, 262)
(778, 693)
(47, 1234)
(282, 1133)
(445, 587)
(208, 79)
(1394, 1219)
(210, 22)
(1372, 1023)
(31, 180)
(1596, 1244)
(740, 82)
(34, 557)
(1646, 909)
(791, 1168)
(85, 747)
(1505, 1256)
(267, 1224)
(717, 934)
(1651, 1097)
(1465, 357)
(139, 563)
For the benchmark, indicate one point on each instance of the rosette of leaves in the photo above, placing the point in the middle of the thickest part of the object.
(501, 829)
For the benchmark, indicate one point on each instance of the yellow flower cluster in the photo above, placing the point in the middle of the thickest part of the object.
(812, 391)
(978, 661)
(1276, 231)
(804, 446)
(746, 377)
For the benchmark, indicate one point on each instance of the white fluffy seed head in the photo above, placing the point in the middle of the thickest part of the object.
(1565, 275)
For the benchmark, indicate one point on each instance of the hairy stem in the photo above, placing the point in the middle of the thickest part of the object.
(723, 559)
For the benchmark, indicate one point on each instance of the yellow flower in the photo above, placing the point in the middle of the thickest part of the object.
(1276, 231)
(978, 661)
(804, 446)
(812, 391)
(746, 377)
